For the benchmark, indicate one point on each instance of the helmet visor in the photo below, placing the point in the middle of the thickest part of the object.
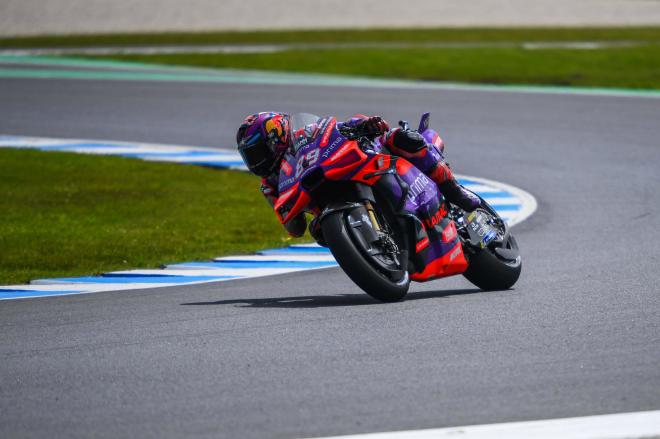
(256, 155)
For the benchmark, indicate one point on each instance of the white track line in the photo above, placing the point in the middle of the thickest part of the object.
(527, 200)
(242, 272)
(279, 257)
(616, 426)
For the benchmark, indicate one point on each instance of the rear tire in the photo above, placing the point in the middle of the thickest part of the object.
(490, 272)
(354, 264)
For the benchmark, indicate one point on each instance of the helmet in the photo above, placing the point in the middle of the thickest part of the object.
(262, 139)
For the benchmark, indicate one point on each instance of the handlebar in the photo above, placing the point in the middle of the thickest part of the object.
(352, 133)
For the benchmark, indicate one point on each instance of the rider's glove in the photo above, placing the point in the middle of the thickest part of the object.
(374, 126)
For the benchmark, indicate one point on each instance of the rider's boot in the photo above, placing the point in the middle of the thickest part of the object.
(452, 191)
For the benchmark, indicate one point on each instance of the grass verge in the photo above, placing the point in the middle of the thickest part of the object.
(66, 214)
(636, 66)
(631, 67)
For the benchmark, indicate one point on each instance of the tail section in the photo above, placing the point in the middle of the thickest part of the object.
(430, 135)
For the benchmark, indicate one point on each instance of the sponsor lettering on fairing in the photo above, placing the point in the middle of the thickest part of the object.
(331, 147)
(417, 187)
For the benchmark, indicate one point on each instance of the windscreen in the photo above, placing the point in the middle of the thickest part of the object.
(304, 128)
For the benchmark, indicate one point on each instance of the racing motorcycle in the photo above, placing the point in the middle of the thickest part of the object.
(385, 222)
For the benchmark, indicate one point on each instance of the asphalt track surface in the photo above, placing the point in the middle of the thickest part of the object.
(309, 354)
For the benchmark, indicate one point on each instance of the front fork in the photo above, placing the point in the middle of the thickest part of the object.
(367, 199)
(365, 196)
(372, 216)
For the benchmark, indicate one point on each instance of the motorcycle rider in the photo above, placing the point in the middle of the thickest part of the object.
(264, 137)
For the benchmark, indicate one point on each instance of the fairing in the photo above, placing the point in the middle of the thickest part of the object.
(319, 147)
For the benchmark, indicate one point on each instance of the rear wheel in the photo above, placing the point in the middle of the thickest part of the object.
(489, 270)
(370, 259)
(497, 264)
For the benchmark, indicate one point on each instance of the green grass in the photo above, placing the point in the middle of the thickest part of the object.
(626, 67)
(633, 67)
(347, 35)
(64, 214)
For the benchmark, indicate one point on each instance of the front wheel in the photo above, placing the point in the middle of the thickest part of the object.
(378, 272)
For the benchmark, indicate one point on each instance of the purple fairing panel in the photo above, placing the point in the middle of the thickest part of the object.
(287, 178)
(437, 248)
(321, 142)
(422, 195)
(423, 200)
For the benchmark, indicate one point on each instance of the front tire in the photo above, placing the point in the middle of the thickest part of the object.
(355, 265)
